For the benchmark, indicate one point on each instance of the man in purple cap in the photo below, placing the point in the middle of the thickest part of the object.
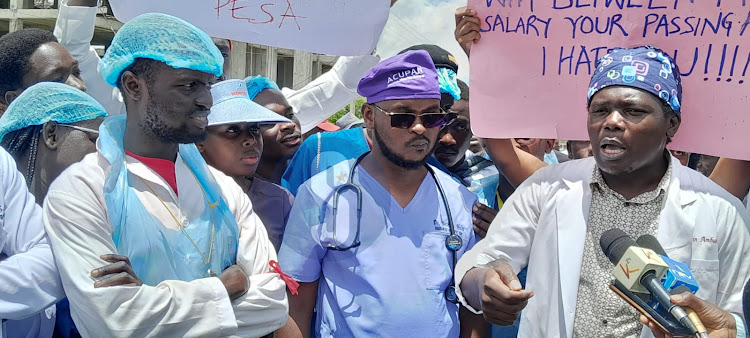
(373, 241)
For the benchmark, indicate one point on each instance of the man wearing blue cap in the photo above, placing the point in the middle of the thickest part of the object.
(48, 127)
(373, 241)
(204, 263)
(554, 220)
(234, 145)
(281, 140)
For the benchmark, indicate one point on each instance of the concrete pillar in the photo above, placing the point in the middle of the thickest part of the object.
(239, 60)
(272, 58)
(302, 68)
(15, 23)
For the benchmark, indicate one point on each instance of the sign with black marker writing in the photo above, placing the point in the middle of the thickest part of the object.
(531, 69)
(336, 27)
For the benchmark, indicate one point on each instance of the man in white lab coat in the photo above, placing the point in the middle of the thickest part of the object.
(553, 222)
(203, 261)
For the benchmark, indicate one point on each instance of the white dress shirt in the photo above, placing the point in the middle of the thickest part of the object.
(76, 218)
(313, 103)
(29, 281)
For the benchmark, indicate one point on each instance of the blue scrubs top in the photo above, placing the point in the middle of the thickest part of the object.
(393, 284)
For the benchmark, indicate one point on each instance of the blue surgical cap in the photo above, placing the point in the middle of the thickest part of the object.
(164, 38)
(448, 84)
(49, 101)
(256, 84)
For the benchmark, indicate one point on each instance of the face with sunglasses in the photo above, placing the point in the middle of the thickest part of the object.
(406, 131)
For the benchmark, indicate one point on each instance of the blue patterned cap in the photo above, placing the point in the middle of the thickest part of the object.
(644, 67)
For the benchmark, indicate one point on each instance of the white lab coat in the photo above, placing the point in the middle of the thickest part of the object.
(29, 281)
(313, 103)
(78, 226)
(543, 225)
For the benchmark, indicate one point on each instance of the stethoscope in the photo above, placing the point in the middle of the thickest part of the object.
(453, 242)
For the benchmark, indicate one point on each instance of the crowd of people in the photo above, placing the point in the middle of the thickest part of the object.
(148, 194)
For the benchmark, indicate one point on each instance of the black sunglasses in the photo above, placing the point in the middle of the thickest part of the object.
(406, 120)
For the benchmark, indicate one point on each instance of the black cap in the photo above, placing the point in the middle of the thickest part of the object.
(440, 57)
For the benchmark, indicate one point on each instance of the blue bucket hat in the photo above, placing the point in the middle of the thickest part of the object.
(233, 105)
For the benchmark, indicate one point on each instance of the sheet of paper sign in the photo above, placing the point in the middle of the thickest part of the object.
(335, 27)
(531, 69)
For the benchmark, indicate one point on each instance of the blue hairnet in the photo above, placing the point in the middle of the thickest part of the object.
(256, 84)
(164, 38)
(49, 101)
(448, 84)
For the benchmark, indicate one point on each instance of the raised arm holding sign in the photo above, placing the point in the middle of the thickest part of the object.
(534, 56)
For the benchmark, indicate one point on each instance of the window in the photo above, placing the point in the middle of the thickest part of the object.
(44, 4)
(285, 71)
(325, 69)
(257, 61)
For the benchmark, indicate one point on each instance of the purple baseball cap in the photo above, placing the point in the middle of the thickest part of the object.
(406, 76)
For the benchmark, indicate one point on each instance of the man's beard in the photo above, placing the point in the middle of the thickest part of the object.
(155, 125)
(397, 159)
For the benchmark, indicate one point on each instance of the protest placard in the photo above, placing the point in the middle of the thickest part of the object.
(336, 27)
(531, 69)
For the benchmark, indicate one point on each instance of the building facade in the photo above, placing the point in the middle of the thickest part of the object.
(289, 68)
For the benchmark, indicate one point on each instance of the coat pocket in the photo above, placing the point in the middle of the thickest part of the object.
(706, 272)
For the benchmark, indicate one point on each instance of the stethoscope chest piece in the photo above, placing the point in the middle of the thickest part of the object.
(453, 242)
(450, 294)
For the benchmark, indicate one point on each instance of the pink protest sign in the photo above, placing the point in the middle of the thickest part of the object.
(531, 69)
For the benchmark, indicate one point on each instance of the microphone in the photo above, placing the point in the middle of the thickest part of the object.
(678, 279)
(640, 270)
(678, 274)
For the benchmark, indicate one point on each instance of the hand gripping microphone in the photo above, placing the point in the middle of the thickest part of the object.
(640, 270)
(678, 279)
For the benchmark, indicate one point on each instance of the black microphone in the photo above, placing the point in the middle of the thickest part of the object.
(650, 242)
(640, 269)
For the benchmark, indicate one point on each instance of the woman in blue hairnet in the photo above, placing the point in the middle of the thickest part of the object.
(47, 128)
